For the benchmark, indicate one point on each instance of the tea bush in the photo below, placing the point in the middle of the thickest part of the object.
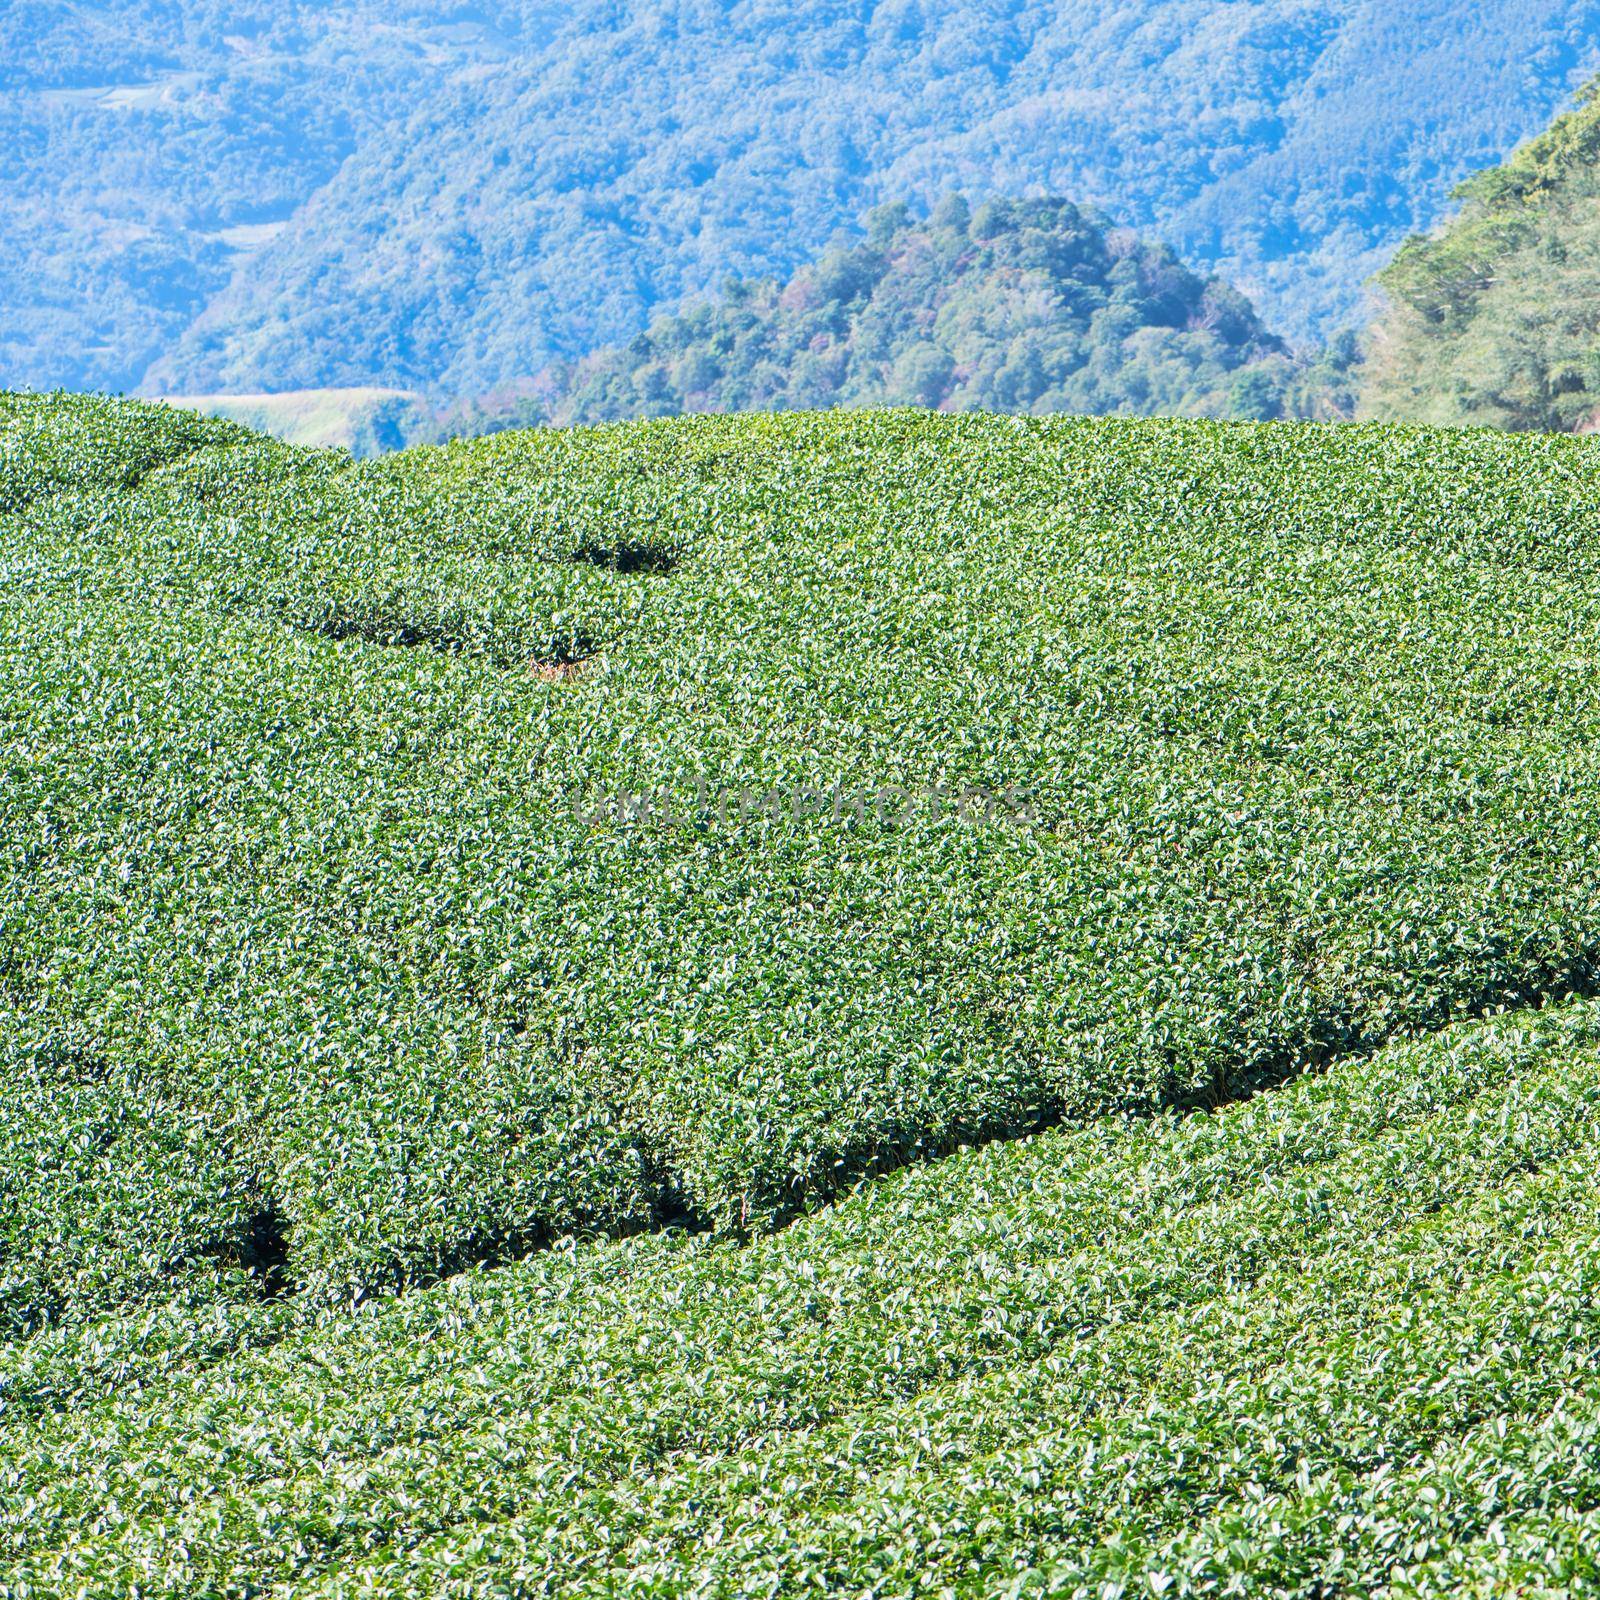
(1340, 1336)
(410, 864)
(327, 968)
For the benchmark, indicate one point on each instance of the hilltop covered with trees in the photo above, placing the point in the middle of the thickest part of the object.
(1019, 305)
(1495, 319)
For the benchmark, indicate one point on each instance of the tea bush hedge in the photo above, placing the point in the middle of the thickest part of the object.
(1338, 1339)
(408, 865)
(327, 970)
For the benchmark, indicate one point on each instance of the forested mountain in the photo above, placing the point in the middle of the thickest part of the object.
(275, 195)
(1020, 306)
(154, 150)
(1495, 319)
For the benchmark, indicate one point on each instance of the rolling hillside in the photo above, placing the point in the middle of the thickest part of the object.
(841, 1003)
(1340, 1340)
(279, 196)
(364, 421)
(350, 742)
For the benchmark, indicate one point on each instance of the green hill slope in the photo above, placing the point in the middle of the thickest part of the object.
(365, 421)
(409, 861)
(274, 195)
(1341, 1339)
(1029, 305)
(1496, 319)
(1012, 920)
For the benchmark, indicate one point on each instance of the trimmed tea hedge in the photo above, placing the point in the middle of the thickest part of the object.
(326, 970)
(328, 965)
(1339, 1339)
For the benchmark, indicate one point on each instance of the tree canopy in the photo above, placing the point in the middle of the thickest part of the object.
(276, 195)
(1495, 319)
(1016, 305)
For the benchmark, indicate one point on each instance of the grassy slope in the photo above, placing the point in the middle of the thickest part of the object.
(313, 973)
(313, 981)
(328, 417)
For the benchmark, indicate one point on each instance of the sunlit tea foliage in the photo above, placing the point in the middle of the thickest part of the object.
(327, 961)
(484, 1110)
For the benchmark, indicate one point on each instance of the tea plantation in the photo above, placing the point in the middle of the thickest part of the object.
(869, 1004)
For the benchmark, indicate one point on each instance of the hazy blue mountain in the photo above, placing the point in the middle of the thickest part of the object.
(278, 195)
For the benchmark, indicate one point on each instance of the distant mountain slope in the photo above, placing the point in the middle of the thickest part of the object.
(1496, 318)
(1022, 306)
(154, 150)
(364, 421)
(278, 195)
